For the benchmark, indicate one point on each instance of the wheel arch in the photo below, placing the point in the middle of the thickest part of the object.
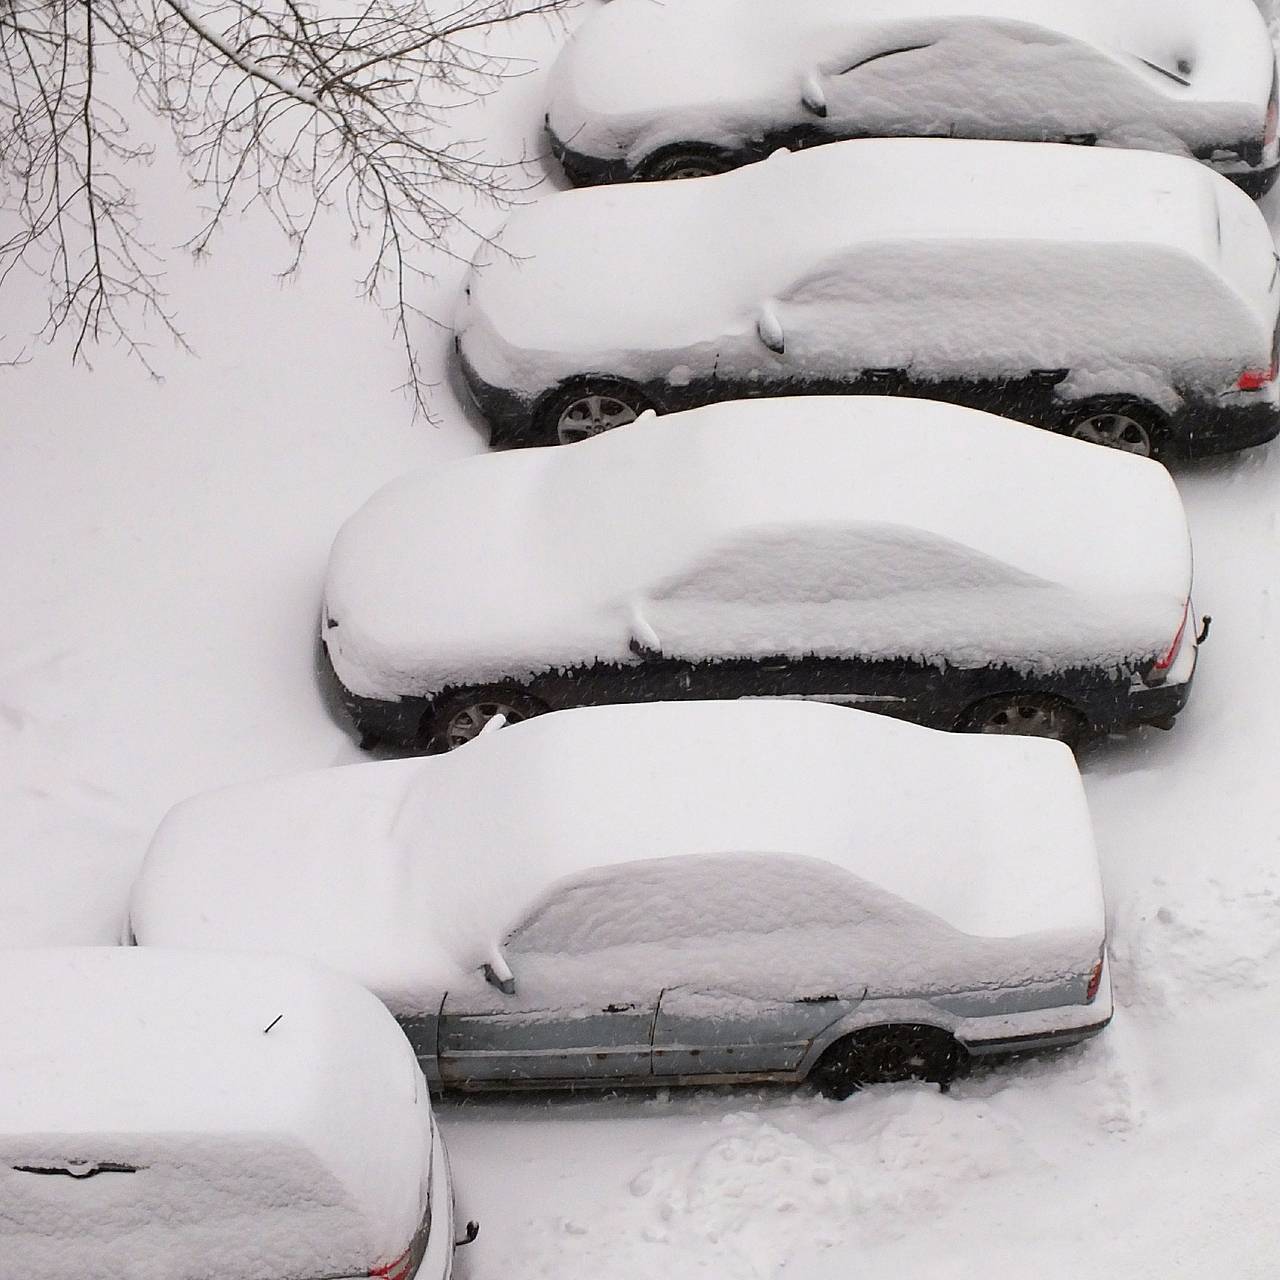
(874, 1015)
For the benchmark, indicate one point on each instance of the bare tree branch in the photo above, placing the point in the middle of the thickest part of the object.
(273, 103)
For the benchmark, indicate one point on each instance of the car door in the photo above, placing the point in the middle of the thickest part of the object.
(766, 612)
(769, 973)
(567, 1019)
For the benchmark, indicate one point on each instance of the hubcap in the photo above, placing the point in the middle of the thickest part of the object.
(1030, 719)
(467, 723)
(590, 415)
(1114, 431)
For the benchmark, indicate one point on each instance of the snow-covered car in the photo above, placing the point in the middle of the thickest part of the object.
(1128, 298)
(646, 90)
(178, 1115)
(680, 893)
(917, 558)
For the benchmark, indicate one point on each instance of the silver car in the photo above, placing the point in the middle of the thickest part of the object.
(678, 893)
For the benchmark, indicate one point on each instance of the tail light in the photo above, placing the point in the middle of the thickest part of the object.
(1095, 982)
(1159, 670)
(1256, 379)
(399, 1269)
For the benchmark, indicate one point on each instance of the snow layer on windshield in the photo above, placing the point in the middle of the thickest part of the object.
(968, 259)
(868, 526)
(1145, 73)
(409, 874)
(301, 1152)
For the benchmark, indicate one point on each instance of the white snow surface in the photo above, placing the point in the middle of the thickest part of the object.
(938, 256)
(868, 526)
(163, 549)
(410, 874)
(300, 1152)
(717, 71)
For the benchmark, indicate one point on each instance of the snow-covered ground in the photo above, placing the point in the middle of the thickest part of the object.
(162, 549)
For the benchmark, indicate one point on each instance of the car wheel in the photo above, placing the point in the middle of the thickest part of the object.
(1129, 426)
(589, 408)
(459, 719)
(881, 1055)
(684, 162)
(1033, 715)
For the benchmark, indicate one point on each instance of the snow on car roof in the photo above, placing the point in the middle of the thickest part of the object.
(726, 50)
(943, 525)
(408, 873)
(296, 1151)
(667, 266)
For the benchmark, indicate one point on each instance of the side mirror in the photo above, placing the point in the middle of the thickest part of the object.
(812, 97)
(644, 642)
(505, 982)
(769, 329)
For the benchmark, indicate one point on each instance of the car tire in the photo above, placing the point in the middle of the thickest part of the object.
(1131, 426)
(690, 161)
(588, 407)
(1026, 714)
(463, 715)
(882, 1055)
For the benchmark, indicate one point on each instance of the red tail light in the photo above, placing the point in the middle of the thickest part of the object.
(1256, 379)
(399, 1269)
(1163, 664)
(1095, 982)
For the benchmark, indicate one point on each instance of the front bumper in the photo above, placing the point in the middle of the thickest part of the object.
(510, 416)
(585, 170)
(378, 722)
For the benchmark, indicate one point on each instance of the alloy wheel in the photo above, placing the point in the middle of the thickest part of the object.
(591, 414)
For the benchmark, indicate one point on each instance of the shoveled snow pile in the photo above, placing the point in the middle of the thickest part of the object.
(942, 258)
(151, 1127)
(1176, 77)
(855, 526)
(410, 874)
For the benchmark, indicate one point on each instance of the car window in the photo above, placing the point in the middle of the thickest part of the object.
(823, 562)
(691, 897)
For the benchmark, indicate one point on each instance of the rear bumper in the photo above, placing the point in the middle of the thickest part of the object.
(1041, 1028)
(1204, 428)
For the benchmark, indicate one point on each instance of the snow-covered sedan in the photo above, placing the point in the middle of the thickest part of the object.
(933, 562)
(173, 1115)
(681, 893)
(1127, 298)
(647, 90)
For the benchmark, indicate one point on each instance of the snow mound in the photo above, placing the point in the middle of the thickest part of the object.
(1146, 73)
(940, 257)
(192, 1142)
(410, 874)
(854, 526)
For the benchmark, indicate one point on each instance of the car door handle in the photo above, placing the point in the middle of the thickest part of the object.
(826, 998)
(618, 1008)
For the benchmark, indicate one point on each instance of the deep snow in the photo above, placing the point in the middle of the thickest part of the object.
(162, 553)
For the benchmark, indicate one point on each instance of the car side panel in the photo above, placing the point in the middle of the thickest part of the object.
(720, 1032)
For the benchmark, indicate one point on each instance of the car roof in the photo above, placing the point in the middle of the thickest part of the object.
(222, 1067)
(410, 873)
(565, 545)
(695, 261)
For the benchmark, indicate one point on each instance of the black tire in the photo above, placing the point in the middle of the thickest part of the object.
(1028, 714)
(1131, 426)
(680, 162)
(587, 407)
(882, 1055)
(461, 716)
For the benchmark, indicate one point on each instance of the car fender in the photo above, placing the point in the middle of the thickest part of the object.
(877, 1013)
